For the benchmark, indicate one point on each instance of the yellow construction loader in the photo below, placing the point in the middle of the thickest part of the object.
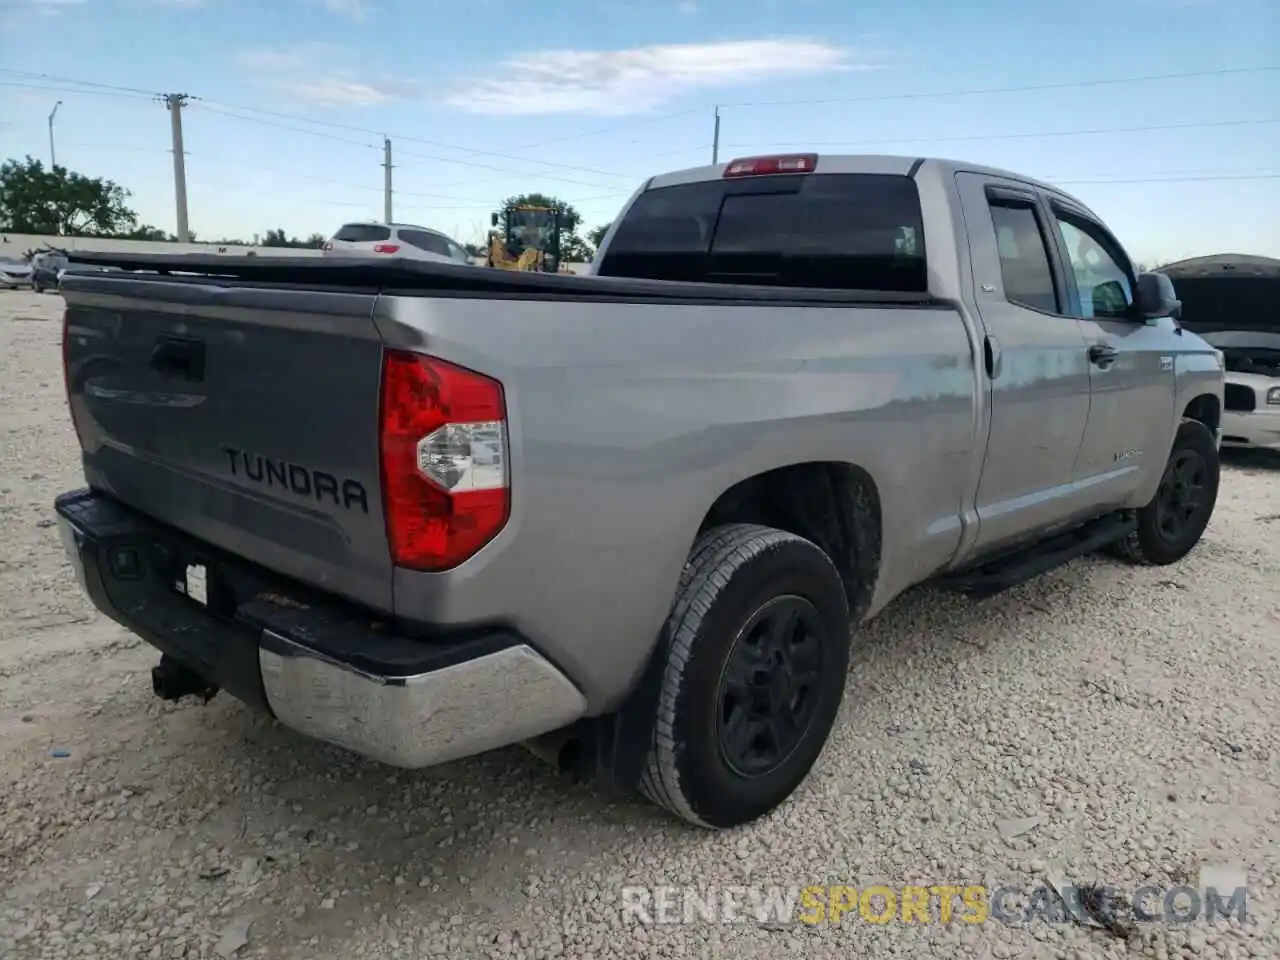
(526, 237)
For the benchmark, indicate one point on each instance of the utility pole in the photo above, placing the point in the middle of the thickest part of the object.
(386, 179)
(715, 138)
(175, 102)
(53, 156)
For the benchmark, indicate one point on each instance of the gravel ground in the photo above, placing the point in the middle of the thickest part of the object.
(1127, 714)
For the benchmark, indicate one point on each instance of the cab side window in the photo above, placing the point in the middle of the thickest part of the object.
(1024, 256)
(1106, 291)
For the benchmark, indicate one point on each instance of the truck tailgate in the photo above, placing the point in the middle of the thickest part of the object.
(244, 416)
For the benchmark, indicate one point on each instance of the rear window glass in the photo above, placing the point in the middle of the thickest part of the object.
(839, 231)
(430, 242)
(362, 233)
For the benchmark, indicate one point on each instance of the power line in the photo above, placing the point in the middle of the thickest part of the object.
(1027, 88)
(399, 192)
(431, 143)
(68, 90)
(612, 128)
(136, 91)
(265, 121)
(1150, 128)
(488, 166)
(1248, 176)
(205, 106)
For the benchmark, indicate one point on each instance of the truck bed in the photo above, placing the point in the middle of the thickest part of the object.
(427, 279)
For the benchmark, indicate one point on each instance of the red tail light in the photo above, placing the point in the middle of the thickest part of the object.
(386, 247)
(445, 488)
(761, 166)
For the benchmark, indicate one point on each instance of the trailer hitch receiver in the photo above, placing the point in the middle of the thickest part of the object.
(172, 680)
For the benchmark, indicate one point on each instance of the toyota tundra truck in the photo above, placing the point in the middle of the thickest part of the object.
(633, 519)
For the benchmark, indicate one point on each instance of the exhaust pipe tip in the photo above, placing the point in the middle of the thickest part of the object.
(560, 749)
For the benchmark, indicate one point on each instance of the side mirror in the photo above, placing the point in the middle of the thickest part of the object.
(1155, 297)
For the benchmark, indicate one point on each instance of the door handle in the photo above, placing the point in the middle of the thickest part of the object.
(991, 356)
(179, 357)
(1103, 355)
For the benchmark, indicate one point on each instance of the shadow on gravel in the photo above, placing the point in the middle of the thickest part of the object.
(1257, 460)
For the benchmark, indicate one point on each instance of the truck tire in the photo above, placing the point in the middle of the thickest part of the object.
(1175, 519)
(756, 653)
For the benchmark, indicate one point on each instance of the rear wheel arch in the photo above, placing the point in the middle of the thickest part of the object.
(834, 504)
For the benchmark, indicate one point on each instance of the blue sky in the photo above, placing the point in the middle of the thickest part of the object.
(583, 99)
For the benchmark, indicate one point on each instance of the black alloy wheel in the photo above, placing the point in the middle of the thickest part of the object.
(1183, 495)
(768, 689)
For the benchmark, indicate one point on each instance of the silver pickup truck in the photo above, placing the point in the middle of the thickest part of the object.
(632, 519)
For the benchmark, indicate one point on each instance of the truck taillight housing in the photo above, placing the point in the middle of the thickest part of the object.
(763, 166)
(443, 442)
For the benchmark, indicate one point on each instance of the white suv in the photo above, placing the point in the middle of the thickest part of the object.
(395, 240)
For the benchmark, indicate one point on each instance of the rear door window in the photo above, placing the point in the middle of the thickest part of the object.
(838, 231)
(363, 233)
(1024, 256)
(428, 242)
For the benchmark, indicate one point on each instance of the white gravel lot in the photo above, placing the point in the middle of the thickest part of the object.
(1132, 710)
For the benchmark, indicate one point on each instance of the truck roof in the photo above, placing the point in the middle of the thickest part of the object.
(931, 167)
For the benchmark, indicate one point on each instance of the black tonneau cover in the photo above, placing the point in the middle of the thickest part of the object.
(427, 278)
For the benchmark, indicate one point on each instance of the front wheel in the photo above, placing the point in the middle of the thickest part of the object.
(1175, 519)
(756, 653)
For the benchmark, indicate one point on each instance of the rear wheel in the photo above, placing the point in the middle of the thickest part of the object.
(1175, 519)
(757, 649)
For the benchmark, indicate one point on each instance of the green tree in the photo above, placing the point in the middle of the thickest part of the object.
(147, 232)
(596, 236)
(278, 238)
(572, 246)
(61, 202)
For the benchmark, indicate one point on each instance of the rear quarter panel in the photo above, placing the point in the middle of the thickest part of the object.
(627, 421)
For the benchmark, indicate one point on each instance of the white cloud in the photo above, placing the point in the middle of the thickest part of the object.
(52, 8)
(687, 7)
(294, 57)
(618, 82)
(337, 91)
(315, 74)
(355, 9)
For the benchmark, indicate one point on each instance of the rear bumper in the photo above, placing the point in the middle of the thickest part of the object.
(1258, 429)
(325, 668)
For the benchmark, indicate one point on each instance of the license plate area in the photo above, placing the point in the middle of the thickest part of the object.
(193, 577)
(195, 583)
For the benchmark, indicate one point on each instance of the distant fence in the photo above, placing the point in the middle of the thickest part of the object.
(17, 244)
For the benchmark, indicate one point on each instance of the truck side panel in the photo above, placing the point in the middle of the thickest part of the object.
(626, 424)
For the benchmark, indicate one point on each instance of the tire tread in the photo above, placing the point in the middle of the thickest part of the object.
(715, 557)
